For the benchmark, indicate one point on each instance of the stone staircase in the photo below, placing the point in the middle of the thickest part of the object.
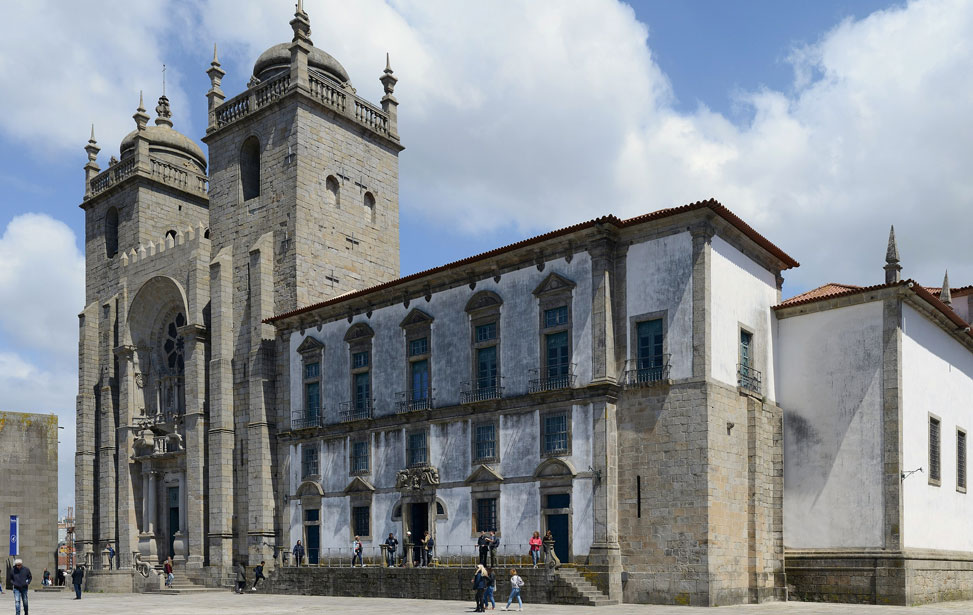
(585, 592)
(183, 583)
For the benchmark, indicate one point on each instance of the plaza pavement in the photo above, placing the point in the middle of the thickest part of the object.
(212, 603)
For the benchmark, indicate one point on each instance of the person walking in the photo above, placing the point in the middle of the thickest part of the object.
(298, 554)
(494, 543)
(535, 547)
(491, 585)
(357, 550)
(168, 568)
(19, 578)
(241, 577)
(77, 577)
(258, 574)
(391, 544)
(47, 578)
(483, 542)
(479, 585)
(515, 584)
(111, 557)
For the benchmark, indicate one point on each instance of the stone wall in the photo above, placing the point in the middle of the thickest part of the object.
(28, 467)
(878, 578)
(540, 586)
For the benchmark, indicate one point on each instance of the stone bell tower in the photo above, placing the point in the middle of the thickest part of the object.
(304, 207)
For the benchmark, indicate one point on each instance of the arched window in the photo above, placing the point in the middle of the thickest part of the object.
(250, 168)
(171, 233)
(333, 192)
(369, 207)
(111, 232)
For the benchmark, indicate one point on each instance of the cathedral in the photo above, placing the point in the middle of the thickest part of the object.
(253, 371)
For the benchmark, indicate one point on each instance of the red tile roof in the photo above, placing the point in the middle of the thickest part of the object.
(711, 204)
(955, 292)
(831, 289)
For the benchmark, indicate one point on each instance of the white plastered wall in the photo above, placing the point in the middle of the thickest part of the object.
(830, 388)
(937, 378)
(742, 294)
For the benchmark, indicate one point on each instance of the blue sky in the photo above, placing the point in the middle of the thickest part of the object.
(819, 123)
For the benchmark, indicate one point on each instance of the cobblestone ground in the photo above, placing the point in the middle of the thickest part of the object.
(225, 602)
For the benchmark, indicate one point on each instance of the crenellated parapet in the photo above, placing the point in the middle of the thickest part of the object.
(183, 241)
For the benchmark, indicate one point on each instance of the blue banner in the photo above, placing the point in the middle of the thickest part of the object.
(14, 535)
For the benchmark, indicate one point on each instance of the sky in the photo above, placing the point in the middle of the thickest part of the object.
(820, 124)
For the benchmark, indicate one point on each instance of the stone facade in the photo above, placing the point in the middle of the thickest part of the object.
(28, 486)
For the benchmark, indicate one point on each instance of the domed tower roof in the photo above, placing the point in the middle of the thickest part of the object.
(277, 59)
(163, 139)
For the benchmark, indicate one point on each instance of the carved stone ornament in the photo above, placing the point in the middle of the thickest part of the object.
(140, 381)
(416, 479)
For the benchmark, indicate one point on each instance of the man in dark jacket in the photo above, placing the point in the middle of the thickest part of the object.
(391, 544)
(77, 577)
(483, 542)
(19, 577)
(298, 553)
(258, 574)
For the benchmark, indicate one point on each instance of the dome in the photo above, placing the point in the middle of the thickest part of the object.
(162, 138)
(279, 57)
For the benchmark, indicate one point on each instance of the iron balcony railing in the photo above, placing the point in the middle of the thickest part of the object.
(472, 393)
(308, 418)
(355, 410)
(537, 384)
(656, 369)
(749, 379)
(411, 401)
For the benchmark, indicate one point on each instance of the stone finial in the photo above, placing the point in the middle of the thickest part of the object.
(163, 112)
(141, 117)
(301, 24)
(92, 147)
(388, 79)
(215, 72)
(893, 270)
(944, 295)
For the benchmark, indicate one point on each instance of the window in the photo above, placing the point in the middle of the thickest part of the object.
(311, 351)
(309, 461)
(419, 380)
(362, 392)
(555, 434)
(746, 351)
(359, 457)
(934, 445)
(312, 400)
(369, 205)
(485, 442)
(360, 520)
(650, 339)
(486, 367)
(360, 359)
(250, 169)
(557, 355)
(556, 317)
(486, 514)
(111, 232)
(333, 192)
(419, 346)
(961, 460)
(558, 500)
(416, 452)
(487, 332)
(312, 370)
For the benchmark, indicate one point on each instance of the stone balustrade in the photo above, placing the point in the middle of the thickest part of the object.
(322, 89)
(159, 170)
(112, 176)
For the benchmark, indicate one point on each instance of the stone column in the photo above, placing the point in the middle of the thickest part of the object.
(85, 457)
(106, 430)
(605, 555)
(261, 536)
(127, 527)
(147, 545)
(603, 368)
(702, 235)
(192, 510)
(221, 431)
(892, 420)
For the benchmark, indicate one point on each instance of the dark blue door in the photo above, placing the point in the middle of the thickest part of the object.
(558, 524)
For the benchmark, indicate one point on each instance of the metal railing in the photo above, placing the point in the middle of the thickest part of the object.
(657, 370)
(411, 401)
(355, 410)
(471, 393)
(749, 379)
(308, 418)
(513, 555)
(536, 384)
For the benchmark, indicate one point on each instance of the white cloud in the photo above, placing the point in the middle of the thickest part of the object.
(41, 289)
